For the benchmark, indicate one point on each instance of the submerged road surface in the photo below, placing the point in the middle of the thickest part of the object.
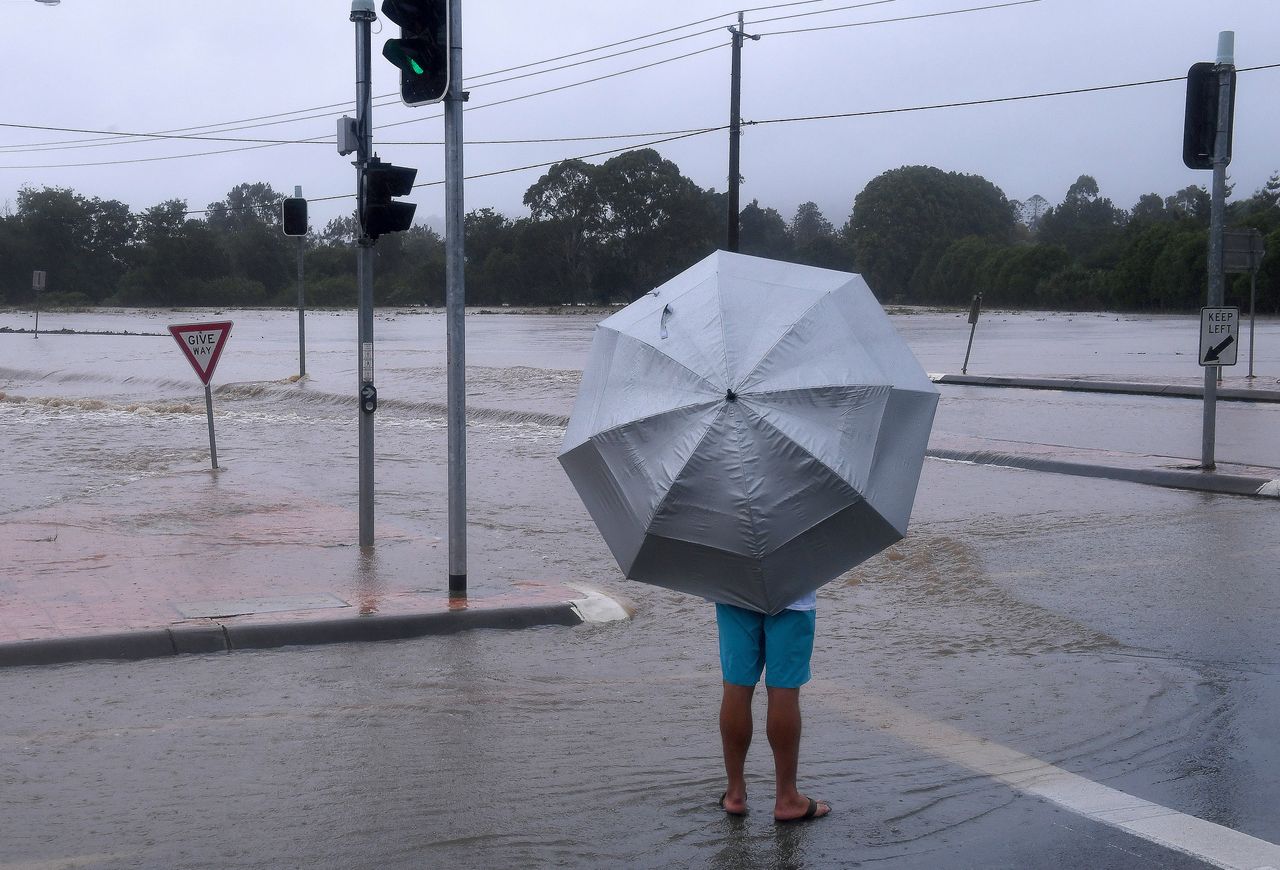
(1039, 651)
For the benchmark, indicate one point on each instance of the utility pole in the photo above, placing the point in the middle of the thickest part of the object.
(362, 13)
(1225, 70)
(455, 301)
(735, 130)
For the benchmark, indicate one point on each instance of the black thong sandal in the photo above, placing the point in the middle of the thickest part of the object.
(809, 814)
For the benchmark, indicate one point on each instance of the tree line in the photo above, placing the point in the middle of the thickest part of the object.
(607, 233)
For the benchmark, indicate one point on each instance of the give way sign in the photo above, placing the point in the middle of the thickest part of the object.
(202, 344)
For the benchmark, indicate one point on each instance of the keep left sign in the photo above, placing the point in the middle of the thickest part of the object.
(202, 344)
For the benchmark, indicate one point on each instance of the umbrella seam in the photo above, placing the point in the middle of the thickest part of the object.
(645, 419)
(810, 453)
(659, 350)
(746, 496)
(692, 453)
(764, 356)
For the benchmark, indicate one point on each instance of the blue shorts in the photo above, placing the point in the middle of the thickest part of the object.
(752, 643)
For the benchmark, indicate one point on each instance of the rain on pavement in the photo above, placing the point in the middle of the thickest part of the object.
(1117, 632)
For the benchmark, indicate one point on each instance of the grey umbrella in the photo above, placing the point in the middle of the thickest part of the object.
(749, 431)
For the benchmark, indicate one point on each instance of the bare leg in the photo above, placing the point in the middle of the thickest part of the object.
(735, 736)
(783, 728)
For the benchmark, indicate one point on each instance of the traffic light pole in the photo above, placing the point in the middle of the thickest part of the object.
(455, 299)
(362, 13)
(1217, 219)
(302, 299)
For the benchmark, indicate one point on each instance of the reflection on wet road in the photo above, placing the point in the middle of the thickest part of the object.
(1119, 633)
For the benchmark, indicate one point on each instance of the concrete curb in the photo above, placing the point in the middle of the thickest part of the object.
(1203, 481)
(1182, 391)
(214, 636)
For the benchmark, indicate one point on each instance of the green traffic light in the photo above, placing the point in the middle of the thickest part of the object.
(416, 69)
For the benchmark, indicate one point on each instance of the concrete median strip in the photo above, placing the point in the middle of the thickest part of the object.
(1212, 843)
(214, 635)
(1082, 385)
(1202, 481)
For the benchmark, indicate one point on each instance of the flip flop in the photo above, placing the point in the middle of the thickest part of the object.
(809, 814)
(720, 803)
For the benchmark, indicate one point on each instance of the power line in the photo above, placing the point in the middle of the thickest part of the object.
(680, 134)
(686, 134)
(327, 139)
(830, 116)
(896, 20)
(116, 138)
(324, 139)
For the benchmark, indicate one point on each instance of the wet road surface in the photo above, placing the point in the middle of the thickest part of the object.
(1074, 621)
(1120, 633)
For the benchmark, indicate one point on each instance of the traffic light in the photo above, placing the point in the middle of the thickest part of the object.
(379, 213)
(1200, 124)
(293, 214)
(422, 51)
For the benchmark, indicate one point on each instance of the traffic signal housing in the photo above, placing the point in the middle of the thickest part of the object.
(379, 212)
(1200, 124)
(293, 215)
(422, 51)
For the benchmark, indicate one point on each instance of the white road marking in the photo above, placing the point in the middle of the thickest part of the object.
(1209, 842)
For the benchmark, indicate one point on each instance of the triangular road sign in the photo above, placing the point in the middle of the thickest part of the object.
(202, 343)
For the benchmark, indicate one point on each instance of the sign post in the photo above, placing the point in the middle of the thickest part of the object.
(37, 284)
(974, 310)
(202, 344)
(1206, 144)
(1243, 252)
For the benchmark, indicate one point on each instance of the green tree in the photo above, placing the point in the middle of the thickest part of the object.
(1085, 223)
(1149, 208)
(1192, 203)
(763, 233)
(84, 244)
(567, 199)
(913, 212)
(656, 223)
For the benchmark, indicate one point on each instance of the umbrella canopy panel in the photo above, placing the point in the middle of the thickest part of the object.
(749, 430)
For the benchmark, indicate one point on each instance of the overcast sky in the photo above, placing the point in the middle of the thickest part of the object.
(145, 66)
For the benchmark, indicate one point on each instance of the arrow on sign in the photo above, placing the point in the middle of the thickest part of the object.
(202, 344)
(1216, 351)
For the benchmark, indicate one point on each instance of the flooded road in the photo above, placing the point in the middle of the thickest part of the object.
(1120, 633)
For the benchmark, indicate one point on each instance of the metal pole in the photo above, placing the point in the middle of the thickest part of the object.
(37, 312)
(302, 301)
(363, 15)
(208, 413)
(1253, 292)
(975, 308)
(1217, 215)
(455, 301)
(735, 133)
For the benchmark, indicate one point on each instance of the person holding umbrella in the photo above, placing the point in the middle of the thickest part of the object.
(747, 432)
(778, 646)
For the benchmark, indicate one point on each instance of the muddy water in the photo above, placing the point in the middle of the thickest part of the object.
(596, 747)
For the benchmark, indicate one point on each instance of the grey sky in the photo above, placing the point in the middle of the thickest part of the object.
(160, 65)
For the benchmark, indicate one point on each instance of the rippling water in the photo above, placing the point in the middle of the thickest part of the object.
(594, 747)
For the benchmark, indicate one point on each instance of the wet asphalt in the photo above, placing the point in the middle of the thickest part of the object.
(1122, 633)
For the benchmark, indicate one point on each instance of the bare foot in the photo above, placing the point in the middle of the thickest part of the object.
(810, 809)
(734, 806)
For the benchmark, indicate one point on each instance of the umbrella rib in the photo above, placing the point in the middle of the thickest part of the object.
(692, 453)
(806, 451)
(764, 356)
(751, 516)
(632, 422)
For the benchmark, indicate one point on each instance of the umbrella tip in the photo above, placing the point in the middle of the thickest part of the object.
(730, 396)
